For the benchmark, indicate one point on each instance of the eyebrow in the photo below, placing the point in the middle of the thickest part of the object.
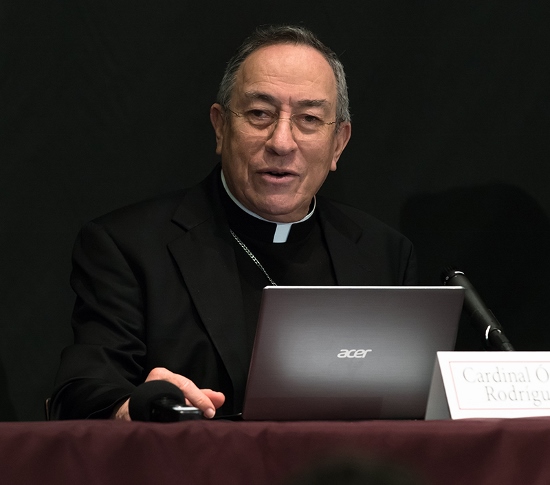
(308, 103)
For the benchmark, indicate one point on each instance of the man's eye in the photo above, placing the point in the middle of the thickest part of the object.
(259, 115)
(308, 120)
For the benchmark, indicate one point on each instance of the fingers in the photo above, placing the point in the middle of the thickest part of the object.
(122, 412)
(206, 400)
(217, 398)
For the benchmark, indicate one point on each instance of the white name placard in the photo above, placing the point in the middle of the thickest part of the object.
(490, 385)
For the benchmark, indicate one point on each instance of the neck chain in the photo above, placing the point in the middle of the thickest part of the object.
(252, 257)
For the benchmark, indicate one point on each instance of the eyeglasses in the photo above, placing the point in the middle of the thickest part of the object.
(262, 122)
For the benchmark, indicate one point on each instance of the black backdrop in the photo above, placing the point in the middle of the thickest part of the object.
(105, 102)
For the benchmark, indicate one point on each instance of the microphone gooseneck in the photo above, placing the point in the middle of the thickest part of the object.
(481, 316)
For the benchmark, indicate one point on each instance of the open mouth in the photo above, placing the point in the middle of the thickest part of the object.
(279, 174)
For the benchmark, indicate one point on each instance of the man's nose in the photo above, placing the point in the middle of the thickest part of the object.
(281, 140)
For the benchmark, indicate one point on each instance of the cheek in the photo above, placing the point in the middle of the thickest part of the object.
(320, 159)
(238, 157)
(243, 149)
(319, 164)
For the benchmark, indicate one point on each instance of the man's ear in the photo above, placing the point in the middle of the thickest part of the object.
(217, 118)
(342, 137)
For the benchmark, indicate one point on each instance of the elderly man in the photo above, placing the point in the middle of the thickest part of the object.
(170, 288)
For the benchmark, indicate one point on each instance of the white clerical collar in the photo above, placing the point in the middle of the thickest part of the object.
(283, 228)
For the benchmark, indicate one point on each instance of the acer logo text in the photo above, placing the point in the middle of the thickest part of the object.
(353, 353)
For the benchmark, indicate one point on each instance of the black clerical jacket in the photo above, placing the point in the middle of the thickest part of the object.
(157, 286)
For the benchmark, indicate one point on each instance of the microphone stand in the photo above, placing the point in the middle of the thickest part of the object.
(482, 317)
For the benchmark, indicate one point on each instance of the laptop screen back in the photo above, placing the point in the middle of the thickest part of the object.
(348, 352)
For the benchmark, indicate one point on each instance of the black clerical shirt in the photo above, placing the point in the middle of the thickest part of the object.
(303, 260)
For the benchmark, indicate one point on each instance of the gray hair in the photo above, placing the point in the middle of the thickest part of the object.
(286, 34)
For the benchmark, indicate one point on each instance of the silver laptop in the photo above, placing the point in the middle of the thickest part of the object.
(348, 353)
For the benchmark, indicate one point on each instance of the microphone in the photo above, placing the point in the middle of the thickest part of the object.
(160, 401)
(481, 316)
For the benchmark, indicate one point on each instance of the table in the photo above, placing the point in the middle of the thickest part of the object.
(484, 451)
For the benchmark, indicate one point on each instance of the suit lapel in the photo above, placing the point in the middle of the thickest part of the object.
(206, 260)
(341, 235)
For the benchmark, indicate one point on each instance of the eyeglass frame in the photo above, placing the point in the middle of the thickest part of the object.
(277, 118)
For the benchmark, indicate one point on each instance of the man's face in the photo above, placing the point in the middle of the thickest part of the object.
(276, 172)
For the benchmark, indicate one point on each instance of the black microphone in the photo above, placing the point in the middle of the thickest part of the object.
(481, 316)
(160, 401)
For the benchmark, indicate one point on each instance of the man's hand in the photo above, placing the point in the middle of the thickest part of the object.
(206, 400)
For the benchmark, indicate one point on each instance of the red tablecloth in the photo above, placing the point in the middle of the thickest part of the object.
(465, 452)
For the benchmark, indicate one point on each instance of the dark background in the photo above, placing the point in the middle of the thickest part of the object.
(104, 103)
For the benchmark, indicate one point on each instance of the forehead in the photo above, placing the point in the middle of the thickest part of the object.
(287, 72)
